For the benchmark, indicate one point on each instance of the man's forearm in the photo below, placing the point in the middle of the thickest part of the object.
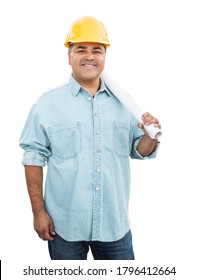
(146, 146)
(34, 179)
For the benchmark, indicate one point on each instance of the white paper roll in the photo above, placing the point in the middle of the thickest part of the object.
(127, 100)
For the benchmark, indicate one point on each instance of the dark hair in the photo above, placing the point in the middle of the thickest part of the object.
(70, 47)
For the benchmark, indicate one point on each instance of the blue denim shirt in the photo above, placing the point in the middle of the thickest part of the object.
(86, 143)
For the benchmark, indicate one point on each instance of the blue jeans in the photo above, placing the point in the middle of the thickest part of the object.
(61, 249)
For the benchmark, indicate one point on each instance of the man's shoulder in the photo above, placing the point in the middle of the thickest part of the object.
(54, 93)
(54, 98)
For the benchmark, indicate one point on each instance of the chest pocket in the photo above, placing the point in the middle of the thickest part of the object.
(66, 140)
(121, 139)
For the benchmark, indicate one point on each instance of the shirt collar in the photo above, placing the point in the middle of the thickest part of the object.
(75, 86)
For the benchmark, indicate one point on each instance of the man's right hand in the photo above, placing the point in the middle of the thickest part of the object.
(43, 225)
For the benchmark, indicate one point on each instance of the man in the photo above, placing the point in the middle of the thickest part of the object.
(85, 136)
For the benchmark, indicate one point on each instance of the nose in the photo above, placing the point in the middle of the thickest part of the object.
(89, 55)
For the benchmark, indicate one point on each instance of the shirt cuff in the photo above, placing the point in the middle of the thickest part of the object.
(34, 158)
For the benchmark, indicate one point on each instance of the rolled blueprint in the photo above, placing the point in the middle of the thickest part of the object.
(127, 100)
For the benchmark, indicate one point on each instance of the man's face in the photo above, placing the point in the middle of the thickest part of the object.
(87, 61)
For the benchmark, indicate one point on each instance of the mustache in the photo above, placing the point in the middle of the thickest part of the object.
(88, 62)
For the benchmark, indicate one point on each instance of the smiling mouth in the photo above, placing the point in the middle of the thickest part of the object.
(88, 64)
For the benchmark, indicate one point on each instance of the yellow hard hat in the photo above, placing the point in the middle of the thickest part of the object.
(87, 29)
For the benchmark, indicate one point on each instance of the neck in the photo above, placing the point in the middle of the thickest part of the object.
(91, 86)
(92, 89)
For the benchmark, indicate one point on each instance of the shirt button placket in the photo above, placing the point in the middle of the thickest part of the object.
(97, 205)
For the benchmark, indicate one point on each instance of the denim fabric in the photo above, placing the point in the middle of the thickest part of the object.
(86, 143)
(61, 249)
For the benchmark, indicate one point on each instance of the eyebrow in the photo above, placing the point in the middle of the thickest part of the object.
(84, 47)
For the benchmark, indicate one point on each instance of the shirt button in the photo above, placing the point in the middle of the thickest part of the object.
(98, 170)
(97, 132)
(97, 188)
(89, 98)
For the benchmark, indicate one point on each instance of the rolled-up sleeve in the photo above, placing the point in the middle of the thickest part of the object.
(137, 135)
(34, 141)
(136, 155)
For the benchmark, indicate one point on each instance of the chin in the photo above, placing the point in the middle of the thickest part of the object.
(91, 76)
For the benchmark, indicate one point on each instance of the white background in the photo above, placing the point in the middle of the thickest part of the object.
(154, 56)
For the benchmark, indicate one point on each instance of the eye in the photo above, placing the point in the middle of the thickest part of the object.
(97, 51)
